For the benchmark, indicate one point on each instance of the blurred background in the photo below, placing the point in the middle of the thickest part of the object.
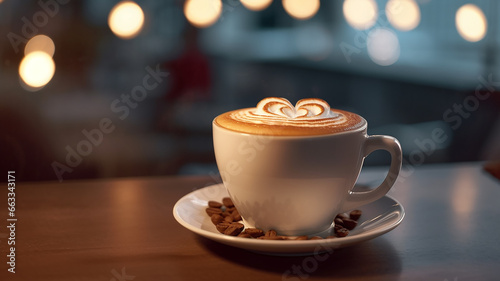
(100, 88)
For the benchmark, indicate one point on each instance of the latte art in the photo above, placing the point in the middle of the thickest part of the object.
(306, 109)
(277, 116)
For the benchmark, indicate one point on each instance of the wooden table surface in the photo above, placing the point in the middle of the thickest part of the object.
(123, 229)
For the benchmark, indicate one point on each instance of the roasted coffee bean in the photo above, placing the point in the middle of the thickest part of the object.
(254, 232)
(303, 237)
(227, 202)
(355, 214)
(221, 227)
(234, 229)
(271, 233)
(280, 237)
(216, 219)
(226, 213)
(338, 221)
(244, 235)
(342, 216)
(225, 216)
(212, 211)
(214, 204)
(343, 232)
(236, 215)
(350, 224)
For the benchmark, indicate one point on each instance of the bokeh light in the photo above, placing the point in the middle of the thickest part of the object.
(202, 13)
(37, 69)
(360, 14)
(383, 46)
(301, 9)
(126, 19)
(256, 5)
(41, 43)
(471, 22)
(403, 14)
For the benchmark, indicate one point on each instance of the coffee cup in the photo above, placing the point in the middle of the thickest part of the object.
(293, 168)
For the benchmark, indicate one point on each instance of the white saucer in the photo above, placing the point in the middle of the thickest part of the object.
(378, 218)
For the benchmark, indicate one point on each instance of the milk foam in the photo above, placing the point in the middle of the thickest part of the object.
(305, 109)
(278, 116)
(279, 111)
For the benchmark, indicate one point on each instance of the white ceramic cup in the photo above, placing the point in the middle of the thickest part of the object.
(297, 184)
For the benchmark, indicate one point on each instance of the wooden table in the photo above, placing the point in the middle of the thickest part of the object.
(123, 229)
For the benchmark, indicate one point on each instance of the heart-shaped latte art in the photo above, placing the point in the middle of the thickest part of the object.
(277, 116)
(304, 109)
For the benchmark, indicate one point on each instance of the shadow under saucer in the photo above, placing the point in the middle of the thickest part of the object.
(372, 258)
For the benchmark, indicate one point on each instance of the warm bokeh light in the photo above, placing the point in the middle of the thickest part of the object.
(37, 69)
(471, 22)
(301, 9)
(360, 14)
(41, 43)
(403, 14)
(256, 5)
(126, 19)
(464, 200)
(383, 46)
(202, 13)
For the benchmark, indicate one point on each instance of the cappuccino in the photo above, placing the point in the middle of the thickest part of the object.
(293, 168)
(278, 117)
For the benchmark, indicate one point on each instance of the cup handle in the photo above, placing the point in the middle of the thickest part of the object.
(372, 143)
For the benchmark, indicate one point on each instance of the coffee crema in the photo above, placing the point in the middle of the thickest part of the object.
(278, 117)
